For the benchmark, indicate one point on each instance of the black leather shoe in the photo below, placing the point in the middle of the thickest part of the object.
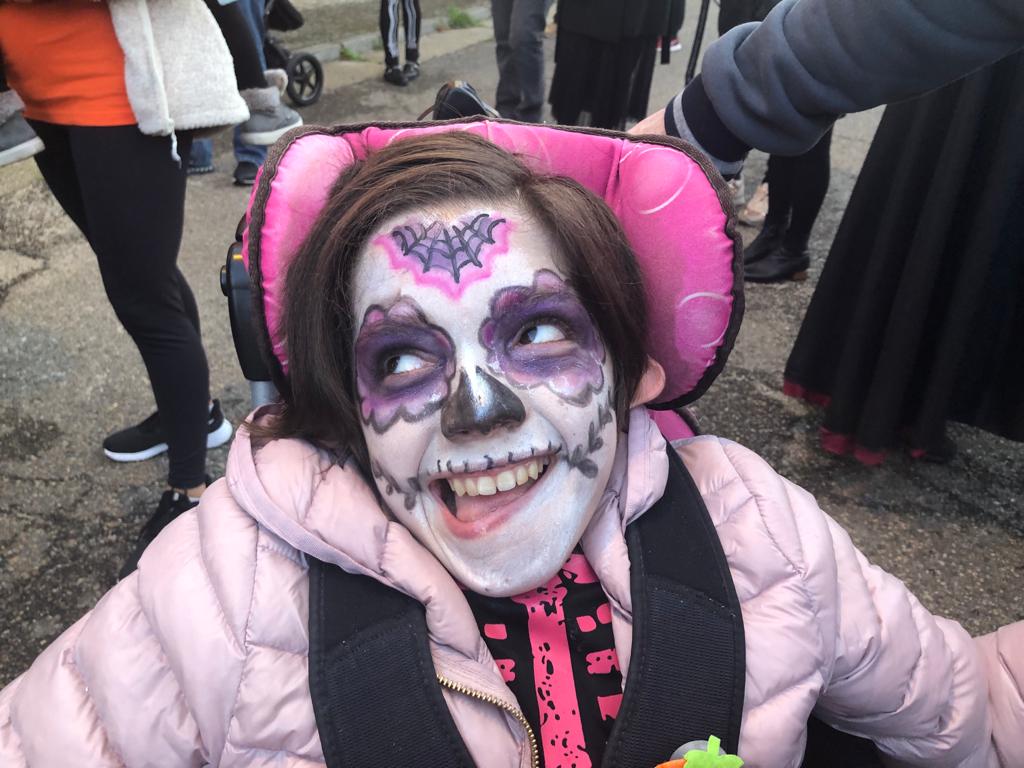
(767, 240)
(455, 99)
(778, 266)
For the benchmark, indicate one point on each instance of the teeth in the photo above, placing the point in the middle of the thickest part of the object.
(505, 480)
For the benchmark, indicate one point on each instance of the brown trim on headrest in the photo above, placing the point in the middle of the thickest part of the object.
(277, 151)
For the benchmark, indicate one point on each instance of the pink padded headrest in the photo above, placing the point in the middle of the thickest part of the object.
(671, 205)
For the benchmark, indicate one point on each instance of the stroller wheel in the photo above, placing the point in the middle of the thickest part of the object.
(305, 79)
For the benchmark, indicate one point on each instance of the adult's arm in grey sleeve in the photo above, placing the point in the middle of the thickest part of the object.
(780, 84)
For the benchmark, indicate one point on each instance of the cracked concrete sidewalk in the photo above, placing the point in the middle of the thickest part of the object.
(69, 375)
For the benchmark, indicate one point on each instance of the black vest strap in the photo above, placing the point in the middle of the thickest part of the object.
(375, 695)
(687, 670)
(377, 701)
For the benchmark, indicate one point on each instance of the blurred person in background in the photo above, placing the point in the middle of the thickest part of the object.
(408, 13)
(115, 125)
(927, 259)
(248, 157)
(918, 315)
(604, 58)
(519, 49)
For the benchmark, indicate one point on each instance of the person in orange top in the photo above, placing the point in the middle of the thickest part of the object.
(126, 192)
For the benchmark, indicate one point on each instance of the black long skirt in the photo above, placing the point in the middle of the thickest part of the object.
(601, 84)
(918, 316)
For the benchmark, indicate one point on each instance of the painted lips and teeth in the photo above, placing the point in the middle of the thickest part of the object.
(470, 496)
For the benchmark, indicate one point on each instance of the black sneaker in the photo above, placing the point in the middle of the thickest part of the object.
(147, 439)
(395, 75)
(411, 70)
(172, 504)
(245, 173)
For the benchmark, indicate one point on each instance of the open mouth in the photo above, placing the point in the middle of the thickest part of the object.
(479, 498)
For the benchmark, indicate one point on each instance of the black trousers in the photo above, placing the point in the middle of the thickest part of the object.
(127, 195)
(389, 18)
(796, 191)
(238, 35)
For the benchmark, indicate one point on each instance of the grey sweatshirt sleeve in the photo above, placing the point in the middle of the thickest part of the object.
(780, 84)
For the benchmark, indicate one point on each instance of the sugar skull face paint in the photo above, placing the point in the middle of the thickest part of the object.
(487, 412)
(447, 256)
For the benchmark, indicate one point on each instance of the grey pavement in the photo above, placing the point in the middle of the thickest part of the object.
(69, 375)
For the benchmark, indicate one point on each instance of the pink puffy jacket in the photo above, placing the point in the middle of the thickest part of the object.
(200, 658)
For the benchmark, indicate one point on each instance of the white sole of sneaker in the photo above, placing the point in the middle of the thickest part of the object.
(22, 151)
(220, 435)
(265, 138)
(149, 453)
(214, 439)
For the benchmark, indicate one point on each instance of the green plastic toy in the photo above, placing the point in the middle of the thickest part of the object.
(710, 758)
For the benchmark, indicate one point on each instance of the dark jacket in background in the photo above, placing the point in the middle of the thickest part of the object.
(732, 13)
(779, 85)
(604, 58)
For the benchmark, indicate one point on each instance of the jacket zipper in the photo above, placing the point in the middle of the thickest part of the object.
(460, 688)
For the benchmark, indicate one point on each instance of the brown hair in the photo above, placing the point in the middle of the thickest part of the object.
(319, 397)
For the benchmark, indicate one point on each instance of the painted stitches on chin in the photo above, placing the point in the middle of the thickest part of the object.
(404, 365)
(542, 335)
(447, 256)
(579, 457)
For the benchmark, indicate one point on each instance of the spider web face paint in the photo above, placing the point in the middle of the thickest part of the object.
(447, 256)
(569, 358)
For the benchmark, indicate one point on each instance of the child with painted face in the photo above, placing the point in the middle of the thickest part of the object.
(460, 539)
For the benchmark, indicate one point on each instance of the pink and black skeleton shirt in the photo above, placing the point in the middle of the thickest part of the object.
(555, 649)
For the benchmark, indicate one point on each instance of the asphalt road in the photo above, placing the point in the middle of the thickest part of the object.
(69, 375)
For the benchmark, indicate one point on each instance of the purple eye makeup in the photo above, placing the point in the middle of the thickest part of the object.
(541, 335)
(404, 365)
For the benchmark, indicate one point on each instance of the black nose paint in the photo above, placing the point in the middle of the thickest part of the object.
(479, 404)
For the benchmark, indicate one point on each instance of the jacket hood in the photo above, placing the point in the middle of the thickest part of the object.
(327, 510)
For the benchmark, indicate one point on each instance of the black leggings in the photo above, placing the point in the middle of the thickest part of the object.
(127, 195)
(389, 12)
(796, 190)
(238, 35)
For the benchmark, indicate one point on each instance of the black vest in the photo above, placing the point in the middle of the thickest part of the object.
(377, 700)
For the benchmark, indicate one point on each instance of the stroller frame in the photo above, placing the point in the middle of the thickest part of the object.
(305, 72)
